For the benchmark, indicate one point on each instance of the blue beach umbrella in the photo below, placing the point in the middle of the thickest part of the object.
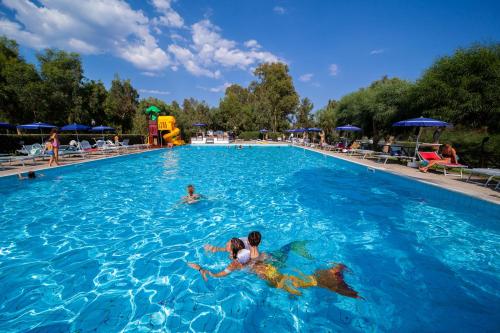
(7, 125)
(75, 127)
(349, 128)
(264, 130)
(313, 129)
(36, 126)
(421, 122)
(102, 129)
(199, 124)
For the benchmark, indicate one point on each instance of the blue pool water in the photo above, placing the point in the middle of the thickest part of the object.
(103, 246)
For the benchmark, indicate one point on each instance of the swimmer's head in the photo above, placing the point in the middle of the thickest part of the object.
(190, 189)
(254, 238)
(235, 245)
(31, 174)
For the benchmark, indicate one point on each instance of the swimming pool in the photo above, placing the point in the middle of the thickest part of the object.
(103, 246)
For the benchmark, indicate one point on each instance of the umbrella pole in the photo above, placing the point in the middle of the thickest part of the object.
(418, 138)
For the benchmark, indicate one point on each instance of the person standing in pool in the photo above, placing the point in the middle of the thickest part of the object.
(191, 197)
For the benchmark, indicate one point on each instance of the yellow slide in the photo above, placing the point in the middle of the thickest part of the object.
(167, 123)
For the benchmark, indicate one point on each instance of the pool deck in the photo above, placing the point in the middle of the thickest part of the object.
(15, 169)
(451, 182)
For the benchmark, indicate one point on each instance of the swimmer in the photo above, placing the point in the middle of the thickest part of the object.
(278, 257)
(331, 279)
(30, 175)
(240, 147)
(251, 243)
(191, 197)
(239, 258)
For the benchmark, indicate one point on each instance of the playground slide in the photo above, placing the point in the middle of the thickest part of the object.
(172, 137)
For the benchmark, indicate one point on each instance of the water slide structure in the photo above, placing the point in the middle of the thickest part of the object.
(164, 127)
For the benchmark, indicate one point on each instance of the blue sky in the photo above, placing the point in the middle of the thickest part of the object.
(195, 48)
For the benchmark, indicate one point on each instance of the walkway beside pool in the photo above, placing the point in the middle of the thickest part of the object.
(15, 169)
(451, 182)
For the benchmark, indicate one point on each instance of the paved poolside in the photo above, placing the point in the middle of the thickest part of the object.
(451, 182)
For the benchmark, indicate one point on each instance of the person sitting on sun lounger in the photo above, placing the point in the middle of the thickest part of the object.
(449, 156)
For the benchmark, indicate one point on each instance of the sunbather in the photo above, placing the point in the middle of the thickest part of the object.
(449, 156)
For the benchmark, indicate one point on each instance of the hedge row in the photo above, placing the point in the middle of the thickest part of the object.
(254, 135)
(10, 142)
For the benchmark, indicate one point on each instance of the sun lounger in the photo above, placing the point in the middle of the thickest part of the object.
(15, 159)
(490, 173)
(430, 156)
(387, 157)
(361, 152)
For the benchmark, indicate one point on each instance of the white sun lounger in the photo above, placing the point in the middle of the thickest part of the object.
(491, 173)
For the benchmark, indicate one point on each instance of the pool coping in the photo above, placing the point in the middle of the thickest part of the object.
(37, 168)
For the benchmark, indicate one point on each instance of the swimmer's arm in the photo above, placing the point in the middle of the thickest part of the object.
(232, 266)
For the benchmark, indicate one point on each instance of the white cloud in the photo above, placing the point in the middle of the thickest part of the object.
(169, 18)
(252, 44)
(218, 89)
(279, 10)
(208, 50)
(306, 77)
(334, 69)
(377, 51)
(88, 27)
(154, 92)
(113, 27)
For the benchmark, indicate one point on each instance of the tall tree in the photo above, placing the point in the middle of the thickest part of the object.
(463, 88)
(93, 96)
(121, 103)
(304, 116)
(62, 75)
(275, 95)
(21, 90)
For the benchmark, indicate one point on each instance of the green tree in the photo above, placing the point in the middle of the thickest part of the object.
(93, 95)
(21, 91)
(275, 95)
(62, 75)
(304, 117)
(463, 88)
(326, 119)
(121, 103)
(235, 110)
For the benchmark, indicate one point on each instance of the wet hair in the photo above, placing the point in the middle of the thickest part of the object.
(236, 245)
(254, 238)
(31, 174)
(189, 186)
